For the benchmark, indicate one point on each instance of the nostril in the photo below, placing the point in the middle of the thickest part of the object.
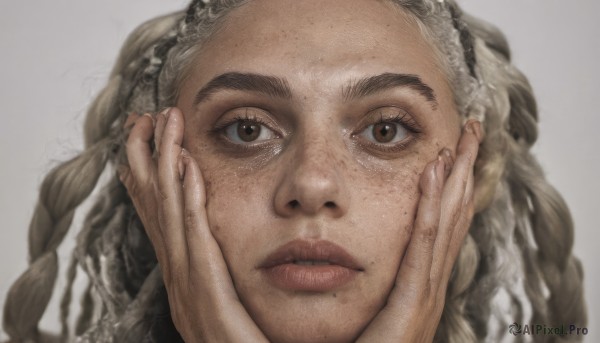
(294, 204)
(330, 204)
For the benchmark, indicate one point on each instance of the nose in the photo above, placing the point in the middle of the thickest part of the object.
(313, 182)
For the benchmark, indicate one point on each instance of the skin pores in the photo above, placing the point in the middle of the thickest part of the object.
(321, 163)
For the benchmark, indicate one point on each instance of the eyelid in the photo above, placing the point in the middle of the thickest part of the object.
(393, 114)
(246, 113)
(241, 114)
(396, 116)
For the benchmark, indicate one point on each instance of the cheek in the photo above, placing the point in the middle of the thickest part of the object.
(385, 210)
(237, 207)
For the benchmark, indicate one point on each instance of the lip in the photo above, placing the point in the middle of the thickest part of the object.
(335, 268)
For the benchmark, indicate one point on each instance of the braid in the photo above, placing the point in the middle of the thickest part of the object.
(62, 191)
(65, 301)
(542, 229)
(555, 277)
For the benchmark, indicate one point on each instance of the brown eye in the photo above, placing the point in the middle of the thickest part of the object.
(384, 132)
(248, 131)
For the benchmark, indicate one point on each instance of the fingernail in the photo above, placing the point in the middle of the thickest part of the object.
(469, 127)
(446, 155)
(440, 169)
(181, 165)
(166, 112)
(130, 121)
(152, 118)
(121, 169)
(478, 130)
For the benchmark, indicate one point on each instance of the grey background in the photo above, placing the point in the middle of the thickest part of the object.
(56, 55)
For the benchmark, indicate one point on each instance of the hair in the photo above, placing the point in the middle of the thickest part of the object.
(516, 263)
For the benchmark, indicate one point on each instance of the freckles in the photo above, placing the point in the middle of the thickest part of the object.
(210, 191)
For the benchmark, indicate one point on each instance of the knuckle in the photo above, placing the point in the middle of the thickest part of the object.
(428, 233)
(135, 190)
(126, 179)
(190, 218)
(163, 195)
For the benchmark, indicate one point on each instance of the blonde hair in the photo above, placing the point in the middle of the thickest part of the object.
(519, 244)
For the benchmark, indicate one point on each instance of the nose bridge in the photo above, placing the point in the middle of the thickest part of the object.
(314, 181)
(315, 154)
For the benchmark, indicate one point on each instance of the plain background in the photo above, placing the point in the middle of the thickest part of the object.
(56, 55)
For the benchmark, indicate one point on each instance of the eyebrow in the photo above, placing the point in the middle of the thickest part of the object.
(378, 83)
(279, 87)
(269, 85)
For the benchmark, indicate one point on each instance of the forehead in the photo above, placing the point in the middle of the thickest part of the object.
(319, 40)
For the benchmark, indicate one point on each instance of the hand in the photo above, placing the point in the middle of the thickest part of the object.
(444, 214)
(169, 196)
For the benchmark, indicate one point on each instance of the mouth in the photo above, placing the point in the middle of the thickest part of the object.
(312, 266)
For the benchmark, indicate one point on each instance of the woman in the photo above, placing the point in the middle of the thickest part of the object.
(313, 179)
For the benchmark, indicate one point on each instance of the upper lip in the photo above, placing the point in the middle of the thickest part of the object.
(311, 250)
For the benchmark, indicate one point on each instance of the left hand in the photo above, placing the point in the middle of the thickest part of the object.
(415, 304)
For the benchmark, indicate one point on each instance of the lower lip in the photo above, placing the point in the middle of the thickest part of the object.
(310, 278)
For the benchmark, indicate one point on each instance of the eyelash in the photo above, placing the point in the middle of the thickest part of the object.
(219, 129)
(402, 119)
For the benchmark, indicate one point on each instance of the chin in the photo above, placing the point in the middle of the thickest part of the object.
(314, 318)
(312, 331)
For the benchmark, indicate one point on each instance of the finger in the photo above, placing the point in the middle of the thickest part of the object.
(138, 178)
(206, 258)
(462, 229)
(131, 118)
(170, 190)
(138, 151)
(448, 158)
(412, 283)
(203, 248)
(452, 200)
(161, 121)
(207, 264)
(416, 265)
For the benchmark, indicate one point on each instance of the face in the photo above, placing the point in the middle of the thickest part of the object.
(312, 122)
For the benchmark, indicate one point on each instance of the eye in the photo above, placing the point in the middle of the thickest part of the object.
(385, 132)
(244, 131)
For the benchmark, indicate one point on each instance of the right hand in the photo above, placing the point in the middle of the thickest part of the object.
(169, 196)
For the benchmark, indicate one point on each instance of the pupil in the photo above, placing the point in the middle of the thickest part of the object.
(248, 131)
(384, 132)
